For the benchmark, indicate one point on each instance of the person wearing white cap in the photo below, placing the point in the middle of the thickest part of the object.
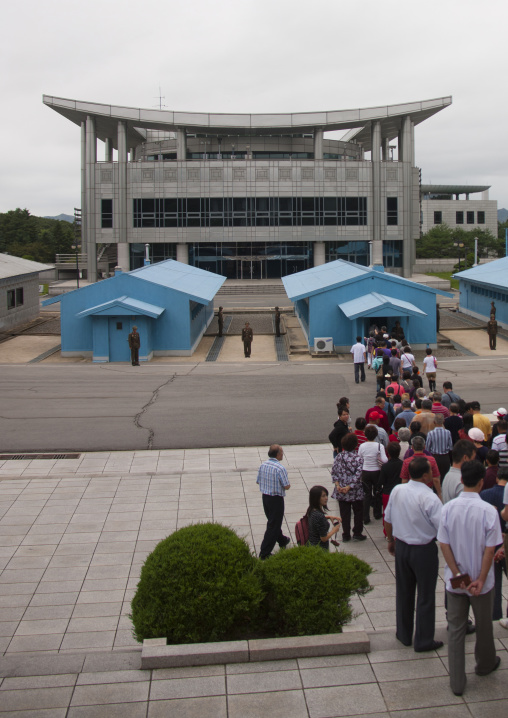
(501, 415)
(478, 438)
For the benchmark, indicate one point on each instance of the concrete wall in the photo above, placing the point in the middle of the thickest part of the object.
(29, 310)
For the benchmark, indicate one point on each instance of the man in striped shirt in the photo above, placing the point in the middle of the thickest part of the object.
(439, 443)
(273, 483)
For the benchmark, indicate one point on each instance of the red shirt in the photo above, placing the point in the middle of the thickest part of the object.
(404, 472)
(360, 435)
(440, 409)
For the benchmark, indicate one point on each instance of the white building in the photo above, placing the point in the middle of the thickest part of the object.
(19, 290)
(450, 204)
(250, 196)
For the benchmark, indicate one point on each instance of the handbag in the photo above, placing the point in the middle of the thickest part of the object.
(379, 461)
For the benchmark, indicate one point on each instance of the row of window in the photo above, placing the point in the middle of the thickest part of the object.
(15, 298)
(250, 211)
(256, 155)
(490, 293)
(459, 217)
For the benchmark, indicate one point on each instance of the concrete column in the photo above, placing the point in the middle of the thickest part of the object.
(386, 149)
(406, 220)
(377, 214)
(485, 194)
(91, 159)
(84, 219)
(182, 253)
(132, 154)
(123, 251)
(318, 144)
(319, 253)
(123, 259)
(108, 150)
(181, 145)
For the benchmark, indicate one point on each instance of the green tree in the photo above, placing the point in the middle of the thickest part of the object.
(439, 241)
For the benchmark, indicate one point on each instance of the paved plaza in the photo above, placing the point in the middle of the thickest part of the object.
(73, 536)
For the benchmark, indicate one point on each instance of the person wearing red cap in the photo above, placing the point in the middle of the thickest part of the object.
(379, 408)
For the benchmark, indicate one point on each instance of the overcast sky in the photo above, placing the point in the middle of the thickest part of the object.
(251, 56)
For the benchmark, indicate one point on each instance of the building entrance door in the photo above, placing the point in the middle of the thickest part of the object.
(250, 268)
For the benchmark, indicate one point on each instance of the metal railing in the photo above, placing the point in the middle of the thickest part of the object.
(70, 259)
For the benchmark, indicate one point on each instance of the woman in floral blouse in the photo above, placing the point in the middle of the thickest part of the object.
(347, 477)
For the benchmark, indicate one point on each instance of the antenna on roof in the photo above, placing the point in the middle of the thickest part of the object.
(160, 98)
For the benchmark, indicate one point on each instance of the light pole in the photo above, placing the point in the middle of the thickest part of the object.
(77, 239)
(459, 245)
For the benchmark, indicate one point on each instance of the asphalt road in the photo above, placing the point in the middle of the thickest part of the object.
(118, 407)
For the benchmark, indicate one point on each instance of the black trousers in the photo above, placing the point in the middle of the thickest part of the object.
(274, 512)
(370, 481)
(416, 569)
(135, 355)
(359, 371)
(443, 464)
(345, 515)
(492, 341)
(247, 348)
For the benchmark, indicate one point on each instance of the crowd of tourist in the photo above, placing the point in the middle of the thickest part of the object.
(435, 469)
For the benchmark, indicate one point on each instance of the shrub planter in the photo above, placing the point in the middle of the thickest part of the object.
(157, 654)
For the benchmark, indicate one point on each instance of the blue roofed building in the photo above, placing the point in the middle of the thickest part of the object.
(482, 285)
(342, 300)
(170, 303)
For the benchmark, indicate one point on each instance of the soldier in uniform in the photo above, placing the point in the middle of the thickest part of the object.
(492, 331)
(247, 336)
(277, 322)
(220, 320)
(493, 309)
(134, 344)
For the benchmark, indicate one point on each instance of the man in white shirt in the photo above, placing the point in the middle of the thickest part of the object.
(412, 517)
(358, 351)
(468, 534)
(452, 483)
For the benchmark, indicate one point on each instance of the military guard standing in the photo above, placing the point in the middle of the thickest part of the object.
(492, 331)
(134, 345)
(220, 320)
(247, 336)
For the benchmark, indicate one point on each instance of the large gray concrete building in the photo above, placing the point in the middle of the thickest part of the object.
(451, 204)
(250, 196)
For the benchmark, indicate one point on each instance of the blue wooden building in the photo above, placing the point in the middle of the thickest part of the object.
(342, 300)
(170, 303)
(481, 285)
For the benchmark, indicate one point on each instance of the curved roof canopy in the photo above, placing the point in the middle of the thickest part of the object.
(453, 188)
(138, 119)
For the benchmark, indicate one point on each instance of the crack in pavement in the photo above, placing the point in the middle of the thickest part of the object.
(153, 399)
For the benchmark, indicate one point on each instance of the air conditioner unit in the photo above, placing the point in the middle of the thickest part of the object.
(323, 344)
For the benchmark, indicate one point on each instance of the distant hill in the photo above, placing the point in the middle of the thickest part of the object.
(502, 215)
(69, 217)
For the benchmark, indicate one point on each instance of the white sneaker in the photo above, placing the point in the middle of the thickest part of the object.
(503, 622)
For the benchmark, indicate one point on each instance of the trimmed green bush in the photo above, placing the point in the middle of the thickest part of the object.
(308, 590)
(197, 586)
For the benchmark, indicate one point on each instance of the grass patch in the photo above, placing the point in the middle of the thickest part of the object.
(454, 283)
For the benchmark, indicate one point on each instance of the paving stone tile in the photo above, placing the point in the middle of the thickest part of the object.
(41, 627)
(27, 644)
(94, 623)
(93, 610)
(100, 596)
(188, 687)
(124, 660)
(12, 613)
(90, 639)
(484, 688)
(24, 682)
(423, 693)
(344, 700)
(125, 639)
(59, 586)
(348, 675)
(160, 674)
(54, 599)
(189, 708)
(13, 600)
(127, 676)
(263, 682)
(35, 699)
(27, 575)
(396, 654)
(353, 659)
(104, 694)
(112, 710)
(486, 709)
(437, 712)
(72, 561)
(274, 705)
(7, 628)
(410, 669)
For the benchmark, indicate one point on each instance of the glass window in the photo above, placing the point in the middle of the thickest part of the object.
(11, 299)
(480, 217)
(459, 217)
(392, 215)
(470, 217)
(19, 297)
(106, 213)
(438, 217)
